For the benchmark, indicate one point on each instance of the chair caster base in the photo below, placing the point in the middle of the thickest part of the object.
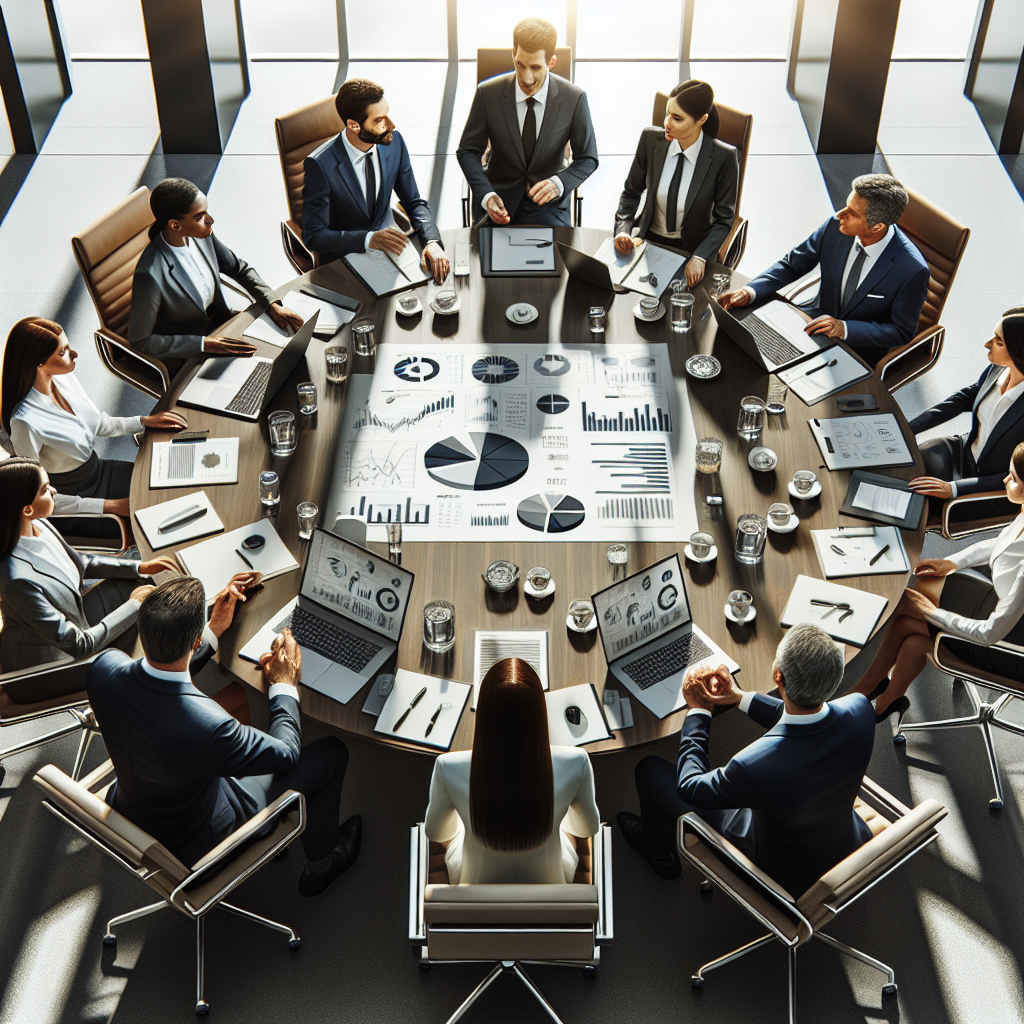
(109, 939)
(202, 1008)
(889, 990)
(707, 888)
(590, 972)
(697, 981)
(294, 943)
(899, 738)
(995, 804)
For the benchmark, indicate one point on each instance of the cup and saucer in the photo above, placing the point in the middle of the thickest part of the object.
(751, 615)
(790, 525)
(538, 593)
(809, 496)
(571, 624)
(693, 557)
(521, 313)
(446, 310)
(659, 312)
(403, 307)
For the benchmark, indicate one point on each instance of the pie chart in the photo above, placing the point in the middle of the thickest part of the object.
(495, 369)
(552, 404)
(550, 512)
(552, 365)
(476, 462)
(417, 368)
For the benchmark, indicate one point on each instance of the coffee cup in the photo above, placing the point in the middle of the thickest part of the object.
(700, 544)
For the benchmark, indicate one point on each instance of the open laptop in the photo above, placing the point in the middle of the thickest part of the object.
(772, 335)
(347, 619)
(649, 637)
(587, 268)
(242, 385)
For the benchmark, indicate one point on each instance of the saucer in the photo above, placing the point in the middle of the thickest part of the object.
(572, 625)
(762, 460)
(531, 313)
(809, 496)
(538, 595)
(793, 523)
(703, 367)
(709, 557)
(638, 313)
(450, 310)
(751, 615)
(418, 308)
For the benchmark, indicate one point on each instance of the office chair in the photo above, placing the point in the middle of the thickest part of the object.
(492, 61)
(986, 713)
(987, 510)
(897, 834)
(734, 129)
(192, 891)
(510, 924)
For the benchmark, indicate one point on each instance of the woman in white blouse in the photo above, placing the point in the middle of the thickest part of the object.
(505, 807)
(952, 597)
(51, 418)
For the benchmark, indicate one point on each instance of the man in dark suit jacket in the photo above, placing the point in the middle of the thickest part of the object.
(873, 278)
(346, 195)
(528, 117)
(190, 774)
(786, 800)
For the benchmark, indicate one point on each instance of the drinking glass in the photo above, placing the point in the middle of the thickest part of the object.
(677, 286)
(719, 282)
(445, 299)
(681, 308)
(804, 481)
(439, 626)
(582, 613)
(779, 513)
(307, 513)
(337, 364)
(283, 438)
(501, 575)
(395, 542)
(649, 305)
(751, 419)
(751, 533)
(709, 455)
(739, 604)
(701, 544)
(598, 319)
(776, 404)
(364, 337)
(307, 398)
(539, 578)
(270, 488)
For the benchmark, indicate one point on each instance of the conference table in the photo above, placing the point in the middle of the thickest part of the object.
(452, 571)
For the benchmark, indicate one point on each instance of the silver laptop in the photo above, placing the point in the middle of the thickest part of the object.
(241, 385)
(649, 637)
(347, 619)
(588, 268)
(772, 335)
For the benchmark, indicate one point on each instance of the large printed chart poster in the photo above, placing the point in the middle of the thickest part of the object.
(527, 442)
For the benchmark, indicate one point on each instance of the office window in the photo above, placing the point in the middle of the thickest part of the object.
(397, 28)
(104, 29)
(643, 28)
(930, 29)
(483, 25)
(300, 31)
(738, 29)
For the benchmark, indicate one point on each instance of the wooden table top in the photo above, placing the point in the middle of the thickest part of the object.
(453, 571)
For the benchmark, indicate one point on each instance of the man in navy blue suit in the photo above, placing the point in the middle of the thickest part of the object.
(873, 278)
(346, 197)
(786, 800)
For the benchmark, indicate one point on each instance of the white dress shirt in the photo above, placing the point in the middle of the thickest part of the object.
(1004, 554)
(672, 157)
(358, 159)
(786, 719)
(199, 272)
(63, 441)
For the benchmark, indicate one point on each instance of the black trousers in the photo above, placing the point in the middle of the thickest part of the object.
(549, 214)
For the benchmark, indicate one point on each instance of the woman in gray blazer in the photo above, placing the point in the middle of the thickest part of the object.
(691, 180)
(45, 613)
(177, 301)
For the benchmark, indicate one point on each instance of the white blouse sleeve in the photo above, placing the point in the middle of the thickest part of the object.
(26, 441)
(117, 426)
(988, 631)
(975, 554)
(441, 822)
(583, 818)
(72, 504)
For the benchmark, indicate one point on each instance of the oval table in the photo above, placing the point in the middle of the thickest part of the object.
(453, 571)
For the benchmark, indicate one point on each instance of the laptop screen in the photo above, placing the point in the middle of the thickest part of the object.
(641, 607)
(357, 584)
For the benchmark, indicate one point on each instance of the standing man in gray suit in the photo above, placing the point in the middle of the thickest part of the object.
(528, 117)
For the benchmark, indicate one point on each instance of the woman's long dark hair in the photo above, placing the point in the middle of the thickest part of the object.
(31, 342)
(19, 480)
(511, 785)
(697, 98)
(1018, 460)
(171, 199)
(1013, 336)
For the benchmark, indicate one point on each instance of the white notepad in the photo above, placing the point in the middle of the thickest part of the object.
(414, 728)
(213, 461)
(151, 518)
(850, 555)
(814, 380)
(264, 329)
(523, 248)
(332, 317)
(618, 712)
(861, 442)
(592, 726)
(856, 629)
(384, 273)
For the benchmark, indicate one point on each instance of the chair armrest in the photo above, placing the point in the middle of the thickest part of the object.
(115, 520)
(882, 800)
(577, 208)
(125, 350)
(296, 250)
(732, 249)
(101, 777)
(63, 665)
(963, 670)
(890, 364)
(602, 877)
(238, 290)
(790, 294)
(419, 860)
(949, 530)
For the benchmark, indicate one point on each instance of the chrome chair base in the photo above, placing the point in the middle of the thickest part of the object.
(504, 967)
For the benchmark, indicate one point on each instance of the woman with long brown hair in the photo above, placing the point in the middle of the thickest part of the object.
(505, 807)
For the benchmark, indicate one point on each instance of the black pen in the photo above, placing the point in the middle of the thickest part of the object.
(537, 262)
(838, 550)
(433, 719)
(412, 704)
(824, 366)
(879, 555)
(244, 559)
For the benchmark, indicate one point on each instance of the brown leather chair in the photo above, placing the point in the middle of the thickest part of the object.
(107, 251)
(734, 129)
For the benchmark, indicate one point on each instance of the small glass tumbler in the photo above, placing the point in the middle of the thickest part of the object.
(709, 455)
(739, 604)
(677, 286)
(751, 421)
(395, 542)
(649, 305)
(539, 578)
(681, 309)
(445, 300)
(582, 613)
(501, 575)
(364, 337)
(701, 544)
(307, 398)
(719, 282)
(283, 437)
(306, 513)
(598, 319)
(270, 489)
(751, 533)
(776, 404)
(439, 626)
(336, 358)
(804, 481)
(780, 514)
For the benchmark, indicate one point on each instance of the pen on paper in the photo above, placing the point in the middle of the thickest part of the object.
(244, 559)
(824, 366)
(879, 555)
(183, 518)
(433, 718)
(412, 704)
(837, 549)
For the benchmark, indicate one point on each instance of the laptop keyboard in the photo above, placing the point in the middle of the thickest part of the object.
(250, 394)
(332, 642)
(775, 347)
(666, 661)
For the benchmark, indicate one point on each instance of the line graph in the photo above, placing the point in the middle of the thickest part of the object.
(403, 413)
(380, 464)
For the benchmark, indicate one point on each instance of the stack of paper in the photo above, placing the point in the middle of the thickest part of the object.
(854, 442)
(442, 704)
(842, 553)
(264, 329)
(332, 316)
(152, 518)
(814, 380)
(493, 645)
(383, 273)
(825, 604)
(522, 249)
(178, 464)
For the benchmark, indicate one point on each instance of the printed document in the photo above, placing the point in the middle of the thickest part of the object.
(887, 500)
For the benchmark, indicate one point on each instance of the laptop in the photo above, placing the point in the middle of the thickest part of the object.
(649, 637)
(347, 619)
(241, 385)
(772, 335)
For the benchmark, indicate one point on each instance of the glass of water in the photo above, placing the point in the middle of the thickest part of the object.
(337, 364)
(270, 488)
(283, 438)
(681, 309)
(598, 319)
(751, 420)
(439, 626)
(719, 283)
(306, 513)
(709, 455)
(364, 337)
(582, 613)
(751, 533)
(307, 398)
(395, 542)
(776, 404)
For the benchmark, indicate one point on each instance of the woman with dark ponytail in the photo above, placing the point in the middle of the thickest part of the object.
(690, 178)
(177, 301)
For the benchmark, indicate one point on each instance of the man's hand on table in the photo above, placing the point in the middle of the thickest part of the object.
(282, 664)
(224, 603)
(705, 686)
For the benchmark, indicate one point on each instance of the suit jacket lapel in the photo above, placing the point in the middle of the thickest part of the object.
(879, 268)
(1010, 420)
(348, 173)
(178, 276)
(42, 565)
(701, 168)
(508, 106)
(383, 192)
(658, 158)
(552, 104)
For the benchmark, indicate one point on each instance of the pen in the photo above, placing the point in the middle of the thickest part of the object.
(244, 559)
(433, 719)
(179, 519)
(838, 550)
(879, 555)
(412, 704)
(824, 366)
(538, 262)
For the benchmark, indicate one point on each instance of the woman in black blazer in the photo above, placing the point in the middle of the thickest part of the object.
(691, 180)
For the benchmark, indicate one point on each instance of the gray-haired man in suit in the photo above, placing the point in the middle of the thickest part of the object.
(528, 117)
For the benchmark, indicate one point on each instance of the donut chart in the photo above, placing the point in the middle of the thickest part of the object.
(552, 365)
(476, 462)
(417, 369)
(495, 369)
(551, 512)
(552, 404)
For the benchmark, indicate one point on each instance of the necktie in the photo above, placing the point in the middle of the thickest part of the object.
(854, 279)
(371, 184)
(529, 129)
(673, 195)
